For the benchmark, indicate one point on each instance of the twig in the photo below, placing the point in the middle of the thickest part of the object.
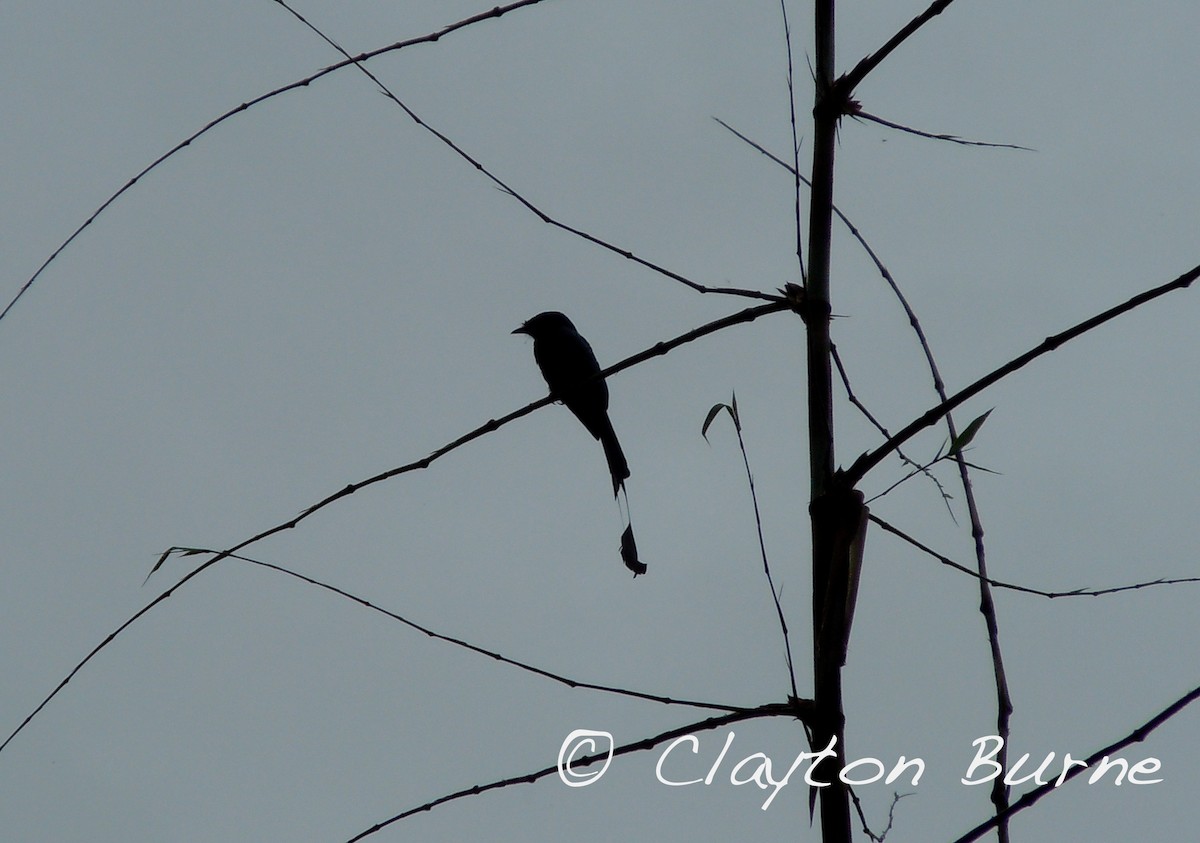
(1075, 592)
(495, 12)
(564, 680)
(508, 189)
(787, 37)
(862, 408)
(859, 113)
(661, 348)
(881, 836)
(732, 409)
(917, 470)
(1137, 735)
(656, 350)
(879, 264)
(872, 458)
(769, 710)
(850, 80)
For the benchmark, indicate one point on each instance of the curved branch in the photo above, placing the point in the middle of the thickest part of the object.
(466, 645)
(508, 189)
(248, 104)
(661, 348)
(872, 458)
(769, 710)
(1137, 735)
(1024, 589)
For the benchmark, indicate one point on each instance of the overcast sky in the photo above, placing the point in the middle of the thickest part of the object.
(318, 290)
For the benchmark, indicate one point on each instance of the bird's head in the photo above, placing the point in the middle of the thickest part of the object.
(545, 323)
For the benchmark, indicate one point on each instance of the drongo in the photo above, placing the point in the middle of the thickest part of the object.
(569, 366)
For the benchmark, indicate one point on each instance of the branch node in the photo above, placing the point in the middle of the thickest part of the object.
(835, 101)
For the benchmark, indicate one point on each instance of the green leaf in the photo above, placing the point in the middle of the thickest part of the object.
(964, 439)
(712, 414)
(731, 408)
(159, 563)
(982, 468)
(182, 551)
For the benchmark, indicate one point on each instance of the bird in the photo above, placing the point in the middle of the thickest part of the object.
(569, 366)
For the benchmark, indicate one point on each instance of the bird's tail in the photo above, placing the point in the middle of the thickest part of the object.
(617, 466)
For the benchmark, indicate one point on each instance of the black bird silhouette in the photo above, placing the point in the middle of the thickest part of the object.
(569, 366)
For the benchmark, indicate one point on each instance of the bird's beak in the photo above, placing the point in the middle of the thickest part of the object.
(521, 330)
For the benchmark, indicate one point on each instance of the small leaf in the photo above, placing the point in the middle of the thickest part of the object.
(982, 468)
(182, 551)
(730, 408)
(712, 414)
(963, 439)
(159, 563)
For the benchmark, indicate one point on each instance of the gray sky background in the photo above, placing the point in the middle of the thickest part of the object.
(318, 290)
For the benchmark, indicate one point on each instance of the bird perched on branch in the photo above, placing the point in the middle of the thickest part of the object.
(569, 366)
(570, 369)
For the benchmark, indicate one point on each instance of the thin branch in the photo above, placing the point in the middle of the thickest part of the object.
(987, 608)
(859, 113)
(466, 645)
(857, 235)
(791, 168)
(1075, 592)
(872, 458)
(914, 322)
(658, 349)
(850, 80)
(1004, 704)
(628, 255)
(862, 408)
(769, 710)
(917, 470)
(762, 544)
(787, 37)
(881, 836)
(508, 189)
(1137, 735)
(212, 124)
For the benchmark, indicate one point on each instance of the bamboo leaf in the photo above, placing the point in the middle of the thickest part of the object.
(963, 439)
(712, 414)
